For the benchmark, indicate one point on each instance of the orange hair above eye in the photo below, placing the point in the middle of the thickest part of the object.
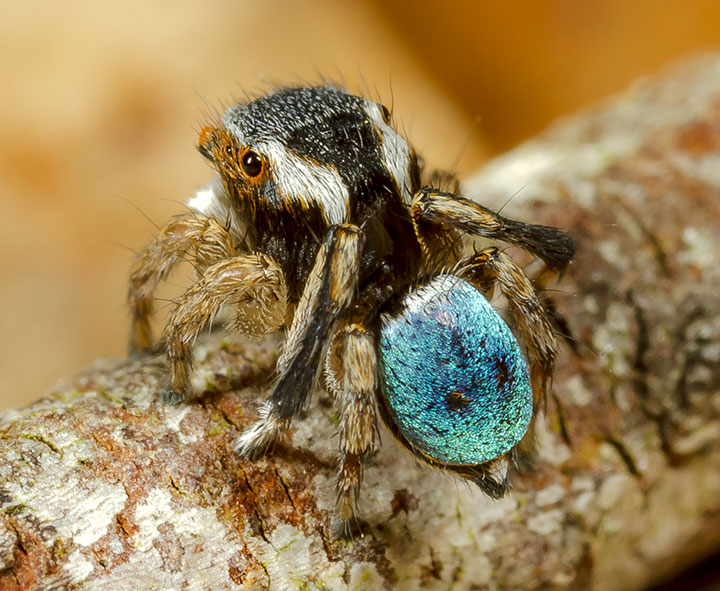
(216, 143)
(207, 140)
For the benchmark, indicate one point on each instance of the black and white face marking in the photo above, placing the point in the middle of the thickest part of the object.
(324, 148)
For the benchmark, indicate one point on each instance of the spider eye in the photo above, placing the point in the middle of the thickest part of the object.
(387, 115)
(228, 150)
(252, 163)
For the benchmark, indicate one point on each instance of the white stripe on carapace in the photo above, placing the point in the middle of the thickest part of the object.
(308, 182)
(395, 151)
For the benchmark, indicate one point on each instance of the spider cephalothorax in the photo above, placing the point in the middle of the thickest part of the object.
(318, 209)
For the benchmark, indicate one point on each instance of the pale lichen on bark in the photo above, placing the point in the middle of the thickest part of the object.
(103, 487)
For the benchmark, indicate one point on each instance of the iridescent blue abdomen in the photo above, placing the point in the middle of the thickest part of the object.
(454, 378)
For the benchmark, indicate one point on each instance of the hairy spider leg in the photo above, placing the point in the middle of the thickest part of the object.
(190, 236)
(252, 280)
(434, 211)
(330, 289)
(351, 375)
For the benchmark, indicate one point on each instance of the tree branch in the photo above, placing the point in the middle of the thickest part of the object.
(103, 487)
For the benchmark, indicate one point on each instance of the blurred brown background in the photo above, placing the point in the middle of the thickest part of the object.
(101, 103)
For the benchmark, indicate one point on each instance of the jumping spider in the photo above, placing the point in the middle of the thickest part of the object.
(318, 221)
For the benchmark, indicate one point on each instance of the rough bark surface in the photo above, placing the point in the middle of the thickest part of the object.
(102, 487)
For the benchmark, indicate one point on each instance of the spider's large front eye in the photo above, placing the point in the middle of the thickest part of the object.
(252, 164)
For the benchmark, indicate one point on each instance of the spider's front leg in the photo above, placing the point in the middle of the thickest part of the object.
(433, 212)
(329, 291)
(201, 239)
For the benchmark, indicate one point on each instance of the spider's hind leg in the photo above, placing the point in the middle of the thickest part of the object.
(436, 212)
(490, 268)
(433, 212)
